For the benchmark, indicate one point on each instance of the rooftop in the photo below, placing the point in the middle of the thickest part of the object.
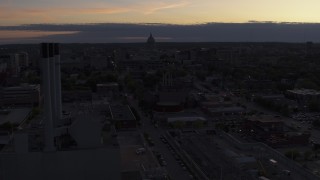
(107, 85)
(15, 116)
(305, 91)
(121, 112)
(98, 163)
(227, 109)
(186, 119)
(265, 118)
(23, 87)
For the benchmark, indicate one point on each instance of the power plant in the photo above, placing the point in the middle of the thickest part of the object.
(51, 79)
(55, 147)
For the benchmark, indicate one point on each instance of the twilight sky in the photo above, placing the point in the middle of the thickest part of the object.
(16, 12)
(184, 14)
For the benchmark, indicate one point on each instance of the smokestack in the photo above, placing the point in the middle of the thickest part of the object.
(53, 84)
(58, 84)
(48, 124)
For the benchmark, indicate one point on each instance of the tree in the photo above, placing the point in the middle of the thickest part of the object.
(307, 155)
(178, 124)
(316, 123)
(313, 106)
(198, 124)
(315, 149)
(6, 126)
(292, 154)
(201, 75)
(285, 111)
(135, 113)
(306, 84)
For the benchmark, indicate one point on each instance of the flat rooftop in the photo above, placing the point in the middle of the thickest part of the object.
(305, 91)
(186, 119)
(107, 85)
(121, 112)
(15, 116)
(227, 109)
(99, 164)
(23, 87)
(265, 118)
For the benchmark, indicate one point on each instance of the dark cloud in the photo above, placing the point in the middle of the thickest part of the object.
(210, 32)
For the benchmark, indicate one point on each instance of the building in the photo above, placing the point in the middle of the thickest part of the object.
(170, 102)
(123, 117)
(264, 126)
(304, 96)
(271, 130)
(225, 111)
(77, 95)
(23, 59)
(81, 164)
(26, 94)
(109, 90)
(151, 41)
(50, 148)
(187, 121)
(12, 62)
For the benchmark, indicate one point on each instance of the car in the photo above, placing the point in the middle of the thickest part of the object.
(140, 151)
(164, 140)
(164, 163)
(287, 172)
(159, 155)
(273, 162)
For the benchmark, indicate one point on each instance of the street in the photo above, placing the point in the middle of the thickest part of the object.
(174, 169)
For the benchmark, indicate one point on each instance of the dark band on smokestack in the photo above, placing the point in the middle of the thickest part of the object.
(44, 50)
(51, 50)
(56, 49)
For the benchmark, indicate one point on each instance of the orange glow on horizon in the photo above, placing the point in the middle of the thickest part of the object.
(8, 34)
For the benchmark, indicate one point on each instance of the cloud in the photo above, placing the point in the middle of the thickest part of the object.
(210, 32)
(27, 36)
(29, 12)
(161, 6)
(16, 34)
(143, 38)
(14, 15)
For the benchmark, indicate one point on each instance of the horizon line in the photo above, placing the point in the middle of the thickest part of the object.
(174, 24)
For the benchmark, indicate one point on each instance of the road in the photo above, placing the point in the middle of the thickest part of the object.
(175, 171)
(290, 122)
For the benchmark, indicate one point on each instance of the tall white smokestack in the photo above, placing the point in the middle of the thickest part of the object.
(53, 84)
(48, 123)
(58, 84)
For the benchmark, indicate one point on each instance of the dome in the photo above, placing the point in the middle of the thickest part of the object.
(151, 40)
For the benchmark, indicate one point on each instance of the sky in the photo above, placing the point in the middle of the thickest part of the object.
(175, 12)
(16, 12)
